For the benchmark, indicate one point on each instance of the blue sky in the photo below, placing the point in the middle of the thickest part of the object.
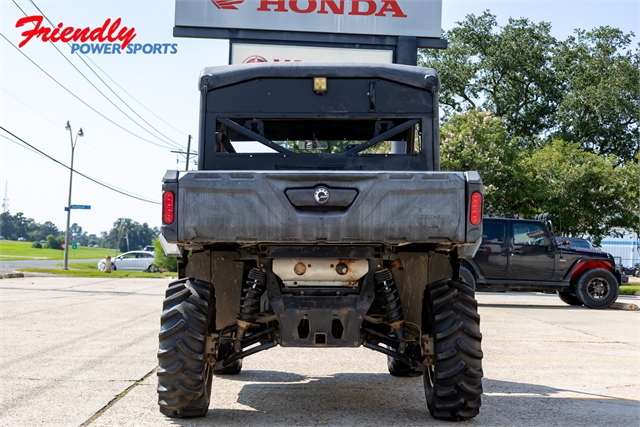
(35, 108)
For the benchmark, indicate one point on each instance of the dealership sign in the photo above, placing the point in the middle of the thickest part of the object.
(419, 18)
(245, 53)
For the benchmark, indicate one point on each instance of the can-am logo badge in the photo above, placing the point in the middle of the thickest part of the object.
(321, 195)
(325, 7)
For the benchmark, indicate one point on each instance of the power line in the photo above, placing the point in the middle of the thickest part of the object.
(167, 139)
(103, 82)
(110, 187)
(84, 143)
(133, 97)
(78, 98)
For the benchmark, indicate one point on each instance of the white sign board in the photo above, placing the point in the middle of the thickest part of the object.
(419, 18)
(242, 53)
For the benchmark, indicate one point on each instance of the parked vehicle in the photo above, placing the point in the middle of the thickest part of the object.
(522, 255)
(21, 239)
(574, 243)
(344, 234)
(149, 248)
(134, 260)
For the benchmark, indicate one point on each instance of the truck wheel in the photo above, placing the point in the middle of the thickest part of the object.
(597, 288)
(569, 298)
(467, 277)
(453, 384)
(184, 376)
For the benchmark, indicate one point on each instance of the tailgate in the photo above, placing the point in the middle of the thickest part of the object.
(321, 206)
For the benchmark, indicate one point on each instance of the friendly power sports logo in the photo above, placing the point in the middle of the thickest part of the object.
(107, 35)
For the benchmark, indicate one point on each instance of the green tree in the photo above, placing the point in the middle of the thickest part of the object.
(506, 70)
(587, 194)
(43, 230)
(130, 235)
(478, 140)
(601, 86)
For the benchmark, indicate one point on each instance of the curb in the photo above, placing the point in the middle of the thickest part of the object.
(12, 275)
(624, 306)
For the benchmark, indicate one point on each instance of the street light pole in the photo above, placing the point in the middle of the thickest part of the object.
(66, 234)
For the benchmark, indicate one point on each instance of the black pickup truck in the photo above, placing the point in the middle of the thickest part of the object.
(523, 255)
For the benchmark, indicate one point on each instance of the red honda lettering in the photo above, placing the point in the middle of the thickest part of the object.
(391, 6)
(355, 7)
(264, 5)
(337, 9)
(293, 4)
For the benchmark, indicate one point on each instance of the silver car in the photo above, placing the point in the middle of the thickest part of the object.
(134, 260)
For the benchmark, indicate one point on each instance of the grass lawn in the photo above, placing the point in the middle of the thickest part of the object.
(629, 290)
(90, 269)
(12, 250)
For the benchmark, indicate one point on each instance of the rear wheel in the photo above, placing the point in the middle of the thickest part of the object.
(569, 298)
(453, 383)
(184, 376)
(467, 277)
(597, 288)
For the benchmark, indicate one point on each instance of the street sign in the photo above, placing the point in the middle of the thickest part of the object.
(80, 207)
(74, 246)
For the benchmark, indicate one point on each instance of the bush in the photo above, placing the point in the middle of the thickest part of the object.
(54, 242)
(162, 261)
(36, 244)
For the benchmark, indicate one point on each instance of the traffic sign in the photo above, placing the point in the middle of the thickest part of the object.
(80, 207)
(74, 246)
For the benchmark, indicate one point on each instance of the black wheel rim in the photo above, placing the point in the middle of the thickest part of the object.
(598, 288)
(429, 375)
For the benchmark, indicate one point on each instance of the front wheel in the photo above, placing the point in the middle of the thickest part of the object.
(184, 376)
(453, 383)
(597, 288)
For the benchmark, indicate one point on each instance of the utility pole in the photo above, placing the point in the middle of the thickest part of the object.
(188, 151)
(66, 234)
(5, 200)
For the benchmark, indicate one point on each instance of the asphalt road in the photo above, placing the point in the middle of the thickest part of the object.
(10, 266)
(75, 350)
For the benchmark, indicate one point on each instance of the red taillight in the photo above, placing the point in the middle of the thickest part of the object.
(475, 215)
(167, 207)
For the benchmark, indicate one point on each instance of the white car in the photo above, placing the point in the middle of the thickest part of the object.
(134, 260)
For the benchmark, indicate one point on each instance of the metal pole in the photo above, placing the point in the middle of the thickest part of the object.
(188, 151)
(66, 234)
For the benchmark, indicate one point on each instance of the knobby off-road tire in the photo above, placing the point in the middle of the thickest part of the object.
(569, 298)
(597, 288)
(453, 385)
(184, 376)
(467, 277)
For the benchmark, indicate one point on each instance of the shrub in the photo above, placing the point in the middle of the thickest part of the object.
(162, 261)
(36, 244)
(54, 242)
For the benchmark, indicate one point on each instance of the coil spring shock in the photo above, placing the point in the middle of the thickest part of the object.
(386, 287)
(250, 303)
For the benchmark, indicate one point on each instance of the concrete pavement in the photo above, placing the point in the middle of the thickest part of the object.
(69, 346)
